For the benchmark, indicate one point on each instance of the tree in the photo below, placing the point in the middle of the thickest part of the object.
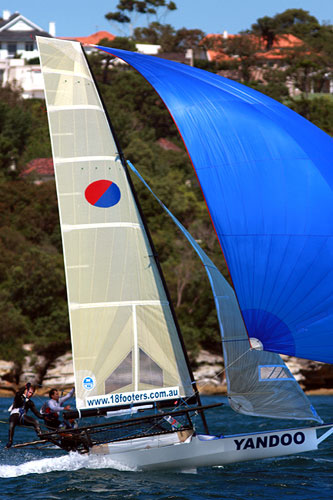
(14, 131)
(318, 110)
(267, 28)
(297, 22)
(101, 61)
(169, 39)
(157, 34)
(36, 285)
(38, 141)
(273, 84)
(128, 11)
(241, 51)
(304, 67)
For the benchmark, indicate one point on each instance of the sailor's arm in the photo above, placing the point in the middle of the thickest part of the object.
(68, 396)
(31, 406)
(55, 406)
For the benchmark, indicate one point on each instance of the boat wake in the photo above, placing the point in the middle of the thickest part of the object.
(70, 462)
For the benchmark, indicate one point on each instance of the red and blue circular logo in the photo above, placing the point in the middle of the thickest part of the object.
(103, 194)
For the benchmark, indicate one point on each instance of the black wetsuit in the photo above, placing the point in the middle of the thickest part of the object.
(18, 415)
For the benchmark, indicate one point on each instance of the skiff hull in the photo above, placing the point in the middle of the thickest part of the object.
(170, 452)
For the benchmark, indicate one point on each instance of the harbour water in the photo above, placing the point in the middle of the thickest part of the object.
(53, 474)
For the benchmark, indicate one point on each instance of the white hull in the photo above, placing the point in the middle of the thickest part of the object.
(168, 452)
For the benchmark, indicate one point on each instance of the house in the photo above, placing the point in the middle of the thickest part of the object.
(39, 170)
(283, 48)
(93, 39)
(17, 46)
(17, 36)
(281, 44)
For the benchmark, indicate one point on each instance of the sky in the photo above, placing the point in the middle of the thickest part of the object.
(81, 18)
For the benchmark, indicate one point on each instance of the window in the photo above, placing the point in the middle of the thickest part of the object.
(12, 48)
(150, 372)
(29, 46)
(268, 373)
(121, 376)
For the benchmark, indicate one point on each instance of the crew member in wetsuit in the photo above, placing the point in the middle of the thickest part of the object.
(52, 408)
(18, 412)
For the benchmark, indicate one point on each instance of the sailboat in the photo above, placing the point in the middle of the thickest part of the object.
(264, 173)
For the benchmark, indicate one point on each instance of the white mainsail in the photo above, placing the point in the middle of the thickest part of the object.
(123, 333)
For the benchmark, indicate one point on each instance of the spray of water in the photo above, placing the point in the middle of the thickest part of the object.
(70, 462)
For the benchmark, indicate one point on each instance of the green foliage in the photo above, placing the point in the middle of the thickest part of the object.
(274, 86)
(267, 28)
(246, 47)
(171, 40)
(298, 22)
(13, 135)
(14, 328)
(24, 131)
(318, 110)
(295, 21)
(33, 60)
(37, 286)
(38, 141)
(32, 290)
(128, 10)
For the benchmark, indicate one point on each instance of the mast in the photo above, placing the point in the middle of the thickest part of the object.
(155, 254)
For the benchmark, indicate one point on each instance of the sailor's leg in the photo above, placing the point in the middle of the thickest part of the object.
(13, 421)
(32, 422)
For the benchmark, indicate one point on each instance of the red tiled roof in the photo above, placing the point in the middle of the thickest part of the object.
(281, 42)
(167, 145)
(40, 167)
(92, 39)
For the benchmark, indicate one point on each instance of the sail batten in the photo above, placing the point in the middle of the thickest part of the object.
(68, 227)
(55, 109)
(80, 159)
(118, 304)
(55, 71)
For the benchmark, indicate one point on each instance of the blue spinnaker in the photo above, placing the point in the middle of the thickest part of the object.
(266, 174)
(259, 383)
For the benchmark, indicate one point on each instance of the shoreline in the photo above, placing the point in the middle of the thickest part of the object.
(208, 390)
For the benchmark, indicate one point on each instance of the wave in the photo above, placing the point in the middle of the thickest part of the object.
(70, 462)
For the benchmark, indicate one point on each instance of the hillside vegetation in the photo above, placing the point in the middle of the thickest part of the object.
(32, 290)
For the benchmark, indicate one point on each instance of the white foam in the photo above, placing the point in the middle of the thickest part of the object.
(70, 462)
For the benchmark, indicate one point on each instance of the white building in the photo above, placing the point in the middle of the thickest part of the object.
(17, 46)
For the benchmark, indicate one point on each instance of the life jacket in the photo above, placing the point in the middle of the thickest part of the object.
(20, 410)
(49, 414)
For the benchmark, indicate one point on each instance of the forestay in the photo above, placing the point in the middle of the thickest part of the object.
(123, 334)
(266, 175)
(259, 382)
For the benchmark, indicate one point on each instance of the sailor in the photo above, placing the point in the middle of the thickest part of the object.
(18, 412)
(52, 408)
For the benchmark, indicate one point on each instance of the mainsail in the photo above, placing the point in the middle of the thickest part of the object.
(259, 382)
(123, 334)
(266, 175)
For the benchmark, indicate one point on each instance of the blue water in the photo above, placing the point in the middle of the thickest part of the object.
(53, 474)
